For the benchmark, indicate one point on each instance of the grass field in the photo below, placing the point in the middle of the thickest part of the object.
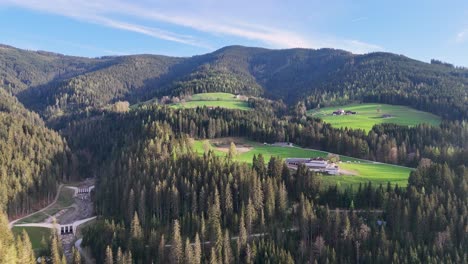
(377, 173)
(366, 171)
(224, 100)
(64, 200)
(369, 115)
(35, 235)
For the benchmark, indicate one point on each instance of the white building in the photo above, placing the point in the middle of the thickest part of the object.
(316, 164)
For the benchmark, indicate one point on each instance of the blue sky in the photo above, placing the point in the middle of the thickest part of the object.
(418, 29)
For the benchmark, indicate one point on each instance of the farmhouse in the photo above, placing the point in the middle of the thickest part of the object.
(339, 112)
(315, 164)
(343, 112)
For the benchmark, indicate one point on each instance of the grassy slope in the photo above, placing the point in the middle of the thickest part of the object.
(367, 116)
(225, 100)
(376, 173)
(64, 200)
(35, 235)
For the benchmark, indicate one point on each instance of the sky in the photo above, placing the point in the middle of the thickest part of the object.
(420, 29)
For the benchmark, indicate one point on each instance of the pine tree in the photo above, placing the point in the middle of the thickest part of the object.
(136, 230)
(128, 257)
(227, 251)
(232, 150)
(228, 203)
(197, 251)
(213, 257)
(25, 251)
(214, 223)
(176, 244)
(56, 249)
(109, 256)
(76, 256)
(188, 252)
(119, 259)
(242, 240)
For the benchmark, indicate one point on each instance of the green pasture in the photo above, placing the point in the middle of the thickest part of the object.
(35, 234)
(364, 171)
(223, 100)
(369, 115)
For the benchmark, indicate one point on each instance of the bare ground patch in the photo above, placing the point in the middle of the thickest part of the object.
(348, 172)
(223, 144)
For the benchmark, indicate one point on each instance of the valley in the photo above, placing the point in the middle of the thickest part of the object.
(230, 157)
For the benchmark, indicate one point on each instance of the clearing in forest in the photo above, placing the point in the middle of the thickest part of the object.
(35, 235)
(365, 116)
(223, 100)
(360, 171)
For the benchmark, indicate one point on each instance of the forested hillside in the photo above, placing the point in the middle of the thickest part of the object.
(57, 85)
(154, 193)
(158, 200)
(34, 159)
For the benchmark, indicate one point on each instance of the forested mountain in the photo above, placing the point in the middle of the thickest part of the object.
(158, 200)
(55, 85)
(33, 159)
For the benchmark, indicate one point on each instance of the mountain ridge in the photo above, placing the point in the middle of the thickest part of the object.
(55, 85)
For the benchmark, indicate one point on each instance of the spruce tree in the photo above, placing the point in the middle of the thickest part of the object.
(109, 256)
(176, 244)
(76, 256)
(197, 251)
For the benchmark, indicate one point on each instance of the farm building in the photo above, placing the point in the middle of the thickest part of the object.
(339, 112)
(343, 112)
(316, 164)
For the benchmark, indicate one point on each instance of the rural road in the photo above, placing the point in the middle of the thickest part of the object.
(43, 209)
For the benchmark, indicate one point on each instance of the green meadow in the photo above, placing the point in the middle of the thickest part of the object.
(361, 171)
(64, 200)
(369, 115)
(223, 100)
(35, 235)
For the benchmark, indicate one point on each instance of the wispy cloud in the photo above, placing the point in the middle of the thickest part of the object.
(118, 13)
(462, 36)
(98, 12)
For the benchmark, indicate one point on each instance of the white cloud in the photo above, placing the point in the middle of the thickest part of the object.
(218, 23)
(462, 36)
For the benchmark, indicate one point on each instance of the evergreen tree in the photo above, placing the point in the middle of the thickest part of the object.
(176, 244)
(213, 256)
(188, 252)
(76, 256)
(56, 248)
(25, 251)
(197, 251)
(119, 259)
(227, 250)
(109, 256)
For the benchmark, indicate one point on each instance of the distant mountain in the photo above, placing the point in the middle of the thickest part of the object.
(56, 85)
